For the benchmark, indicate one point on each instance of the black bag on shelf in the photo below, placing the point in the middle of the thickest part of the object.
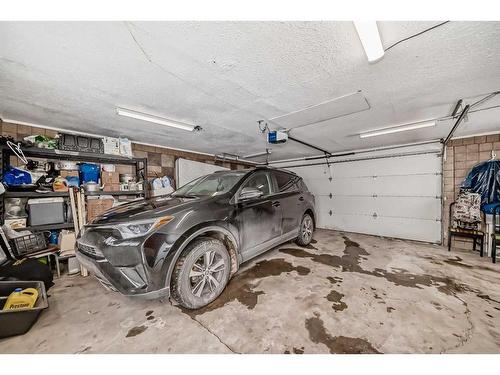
(27, 270)
(24, 269)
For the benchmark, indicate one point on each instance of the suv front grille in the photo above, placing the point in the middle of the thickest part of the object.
(89, 250)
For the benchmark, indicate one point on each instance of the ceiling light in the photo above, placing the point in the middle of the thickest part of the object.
(156, 119)
(397, 129)
(370, 39)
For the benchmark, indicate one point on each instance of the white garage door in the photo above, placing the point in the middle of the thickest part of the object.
(397, 196)
(188, 170)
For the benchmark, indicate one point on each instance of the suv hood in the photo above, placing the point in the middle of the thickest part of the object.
(148, 209)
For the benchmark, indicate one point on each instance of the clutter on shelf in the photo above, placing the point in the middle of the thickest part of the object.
(41, 141)
(51, 187)
(161, 186)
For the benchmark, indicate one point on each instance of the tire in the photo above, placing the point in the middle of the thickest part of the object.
(194, 285)
(306, 230)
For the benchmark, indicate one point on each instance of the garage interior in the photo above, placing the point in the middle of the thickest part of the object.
(386, 144)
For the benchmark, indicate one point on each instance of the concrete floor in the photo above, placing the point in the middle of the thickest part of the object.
(346, 293)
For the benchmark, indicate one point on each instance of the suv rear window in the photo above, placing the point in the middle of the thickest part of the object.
(286, 181)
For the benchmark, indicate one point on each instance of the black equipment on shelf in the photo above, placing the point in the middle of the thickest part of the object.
(80, 143)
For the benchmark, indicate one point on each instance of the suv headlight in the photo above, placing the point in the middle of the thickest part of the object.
(141, 228)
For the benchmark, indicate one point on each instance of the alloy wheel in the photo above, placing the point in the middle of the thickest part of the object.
(206, 274)
(307, 229)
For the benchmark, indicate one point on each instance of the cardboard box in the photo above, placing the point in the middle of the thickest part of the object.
(96, 207)
(111, 187)
(110, 177)
(65, 173)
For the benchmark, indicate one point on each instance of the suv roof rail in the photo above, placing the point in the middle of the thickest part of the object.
(274, 169)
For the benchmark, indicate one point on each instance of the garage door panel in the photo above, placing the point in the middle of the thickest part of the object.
(418, 207)
(421, 207)
(318, 171)
(413, 229)
(426, 163)
(405, 185)
(319, 186)
(324, 219)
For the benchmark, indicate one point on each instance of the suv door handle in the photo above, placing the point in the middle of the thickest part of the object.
(301, 198)
(276, 204)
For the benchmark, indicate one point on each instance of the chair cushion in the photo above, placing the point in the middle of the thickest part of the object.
(467, 207)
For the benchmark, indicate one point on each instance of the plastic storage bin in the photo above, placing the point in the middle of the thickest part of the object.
(18, 322)
(28, 244)
(89, 173)
(42, 211)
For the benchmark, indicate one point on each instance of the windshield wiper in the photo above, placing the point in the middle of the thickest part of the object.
(184, 196)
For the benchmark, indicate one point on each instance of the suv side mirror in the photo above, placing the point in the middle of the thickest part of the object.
(248, 193)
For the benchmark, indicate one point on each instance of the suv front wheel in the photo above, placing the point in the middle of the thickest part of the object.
(201, 273)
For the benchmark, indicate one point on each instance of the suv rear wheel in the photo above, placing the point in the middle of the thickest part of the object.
(201, 273)
(305, 231)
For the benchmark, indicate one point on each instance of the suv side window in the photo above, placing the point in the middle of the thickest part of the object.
(286, 182)
(302, 185)
(261, 181)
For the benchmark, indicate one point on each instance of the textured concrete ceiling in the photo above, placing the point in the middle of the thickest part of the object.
(225, 76)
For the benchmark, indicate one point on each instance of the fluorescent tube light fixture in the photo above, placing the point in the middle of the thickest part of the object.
(397, 129)
(370, 39)
(156, 119)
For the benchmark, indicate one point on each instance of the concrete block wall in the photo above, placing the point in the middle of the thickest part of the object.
(461, 156)
(161, 160)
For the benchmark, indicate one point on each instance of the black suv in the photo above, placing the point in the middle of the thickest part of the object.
(189, 243)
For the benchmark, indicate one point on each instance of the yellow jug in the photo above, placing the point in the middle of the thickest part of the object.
(21, 299)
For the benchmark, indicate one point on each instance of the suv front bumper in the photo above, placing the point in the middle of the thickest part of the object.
(126, 280)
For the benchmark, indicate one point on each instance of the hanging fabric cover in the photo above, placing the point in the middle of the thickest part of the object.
(484, 179)
(467, 210)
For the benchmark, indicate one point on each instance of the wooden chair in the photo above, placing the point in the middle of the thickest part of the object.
(462, 231)
(495, 236)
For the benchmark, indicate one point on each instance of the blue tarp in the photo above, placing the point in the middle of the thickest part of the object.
(484, 179)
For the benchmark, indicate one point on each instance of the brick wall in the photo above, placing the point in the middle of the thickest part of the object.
(461, 156)
(161, 160)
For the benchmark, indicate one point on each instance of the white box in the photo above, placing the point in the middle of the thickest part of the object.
(111, 145)
(66, 241)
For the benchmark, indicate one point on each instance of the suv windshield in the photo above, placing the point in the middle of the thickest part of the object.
(212, 184)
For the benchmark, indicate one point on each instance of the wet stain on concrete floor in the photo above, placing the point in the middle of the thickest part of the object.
(336, 298)
(457, 261)
(136, 331)
(294, 351)
(351, 259)
(337, 344)
(487, 298)
(335, 279)
(241, 286)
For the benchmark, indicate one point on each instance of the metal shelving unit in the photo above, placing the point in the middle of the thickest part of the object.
(48, 227)
(140, 165)
(34, 194)
(116, 193)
